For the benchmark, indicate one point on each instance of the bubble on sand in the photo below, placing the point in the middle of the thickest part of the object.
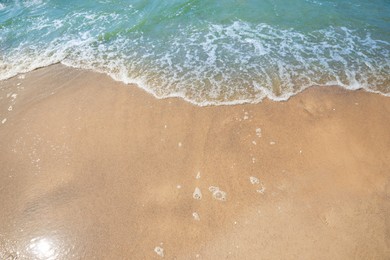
(197, 194)
(10, 108)
(159, 251)
(254, 180)
(272, 143)
(254, 142)
(178, 186)
(262, 190)
(217, 193)
(258, 132)
(21, 76)
(196, 216)
(179, 144)
(198, 176)
(212, 188)
(4, 120)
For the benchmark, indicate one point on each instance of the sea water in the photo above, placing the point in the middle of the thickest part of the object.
(208, 52)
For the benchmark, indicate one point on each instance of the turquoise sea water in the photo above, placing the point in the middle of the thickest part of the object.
(208, 52)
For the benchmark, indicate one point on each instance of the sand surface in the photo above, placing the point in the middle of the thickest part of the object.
(96, 169)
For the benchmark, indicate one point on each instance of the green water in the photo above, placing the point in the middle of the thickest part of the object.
(207, 52)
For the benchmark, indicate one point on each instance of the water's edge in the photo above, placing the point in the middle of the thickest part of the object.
(150, 91)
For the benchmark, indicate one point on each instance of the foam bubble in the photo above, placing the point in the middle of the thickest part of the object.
(159, 251)
(197, 194)
(261, 190)
(196, 216)
(213, 188)
(254, 180)
(217, 193)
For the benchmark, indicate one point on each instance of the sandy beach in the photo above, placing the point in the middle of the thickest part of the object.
(92, 168)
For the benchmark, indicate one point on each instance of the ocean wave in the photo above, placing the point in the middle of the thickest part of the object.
(211, 64)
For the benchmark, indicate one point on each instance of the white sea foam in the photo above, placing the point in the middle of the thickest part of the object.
(217, 65)
(30, 3)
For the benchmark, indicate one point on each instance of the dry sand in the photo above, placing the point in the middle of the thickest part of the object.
(92, 168)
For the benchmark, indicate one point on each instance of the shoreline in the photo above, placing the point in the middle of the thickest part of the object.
(266, 93)
(97, 168)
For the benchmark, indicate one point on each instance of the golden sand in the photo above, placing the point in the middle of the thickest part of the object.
(92, 168)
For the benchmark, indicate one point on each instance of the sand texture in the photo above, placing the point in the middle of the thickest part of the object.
(96, 169)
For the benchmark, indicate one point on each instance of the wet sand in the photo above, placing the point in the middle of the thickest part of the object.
(96, 169)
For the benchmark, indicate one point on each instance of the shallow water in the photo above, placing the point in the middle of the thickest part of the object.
(207, 52)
